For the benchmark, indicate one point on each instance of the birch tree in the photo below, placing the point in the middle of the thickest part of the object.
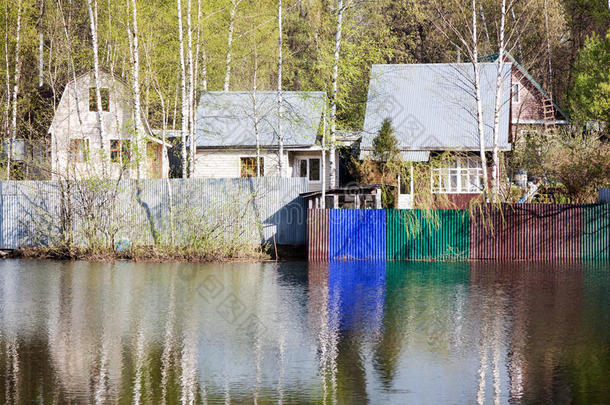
(135, 71)
(92, 9)
(204, 68)
(498, 103)
(185, 109)
(333, 99)
(15, 90)
(256, 113)
(232, 14)
(477, 89)
(41, 45)
(280, 100)
(467, 39)
(7, 113)
(191, 89)
(196, 81)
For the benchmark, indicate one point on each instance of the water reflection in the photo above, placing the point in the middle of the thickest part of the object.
(293, 333)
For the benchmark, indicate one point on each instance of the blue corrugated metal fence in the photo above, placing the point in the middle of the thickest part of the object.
(258, 209)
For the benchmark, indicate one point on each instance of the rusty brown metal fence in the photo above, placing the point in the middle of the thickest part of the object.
(317, 235)
(527, 232)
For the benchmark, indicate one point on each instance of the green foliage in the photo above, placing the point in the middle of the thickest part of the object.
(590, 96)
(385, 144)
(383, 31)
(574, 162)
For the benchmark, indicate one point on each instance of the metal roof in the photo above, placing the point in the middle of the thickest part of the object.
(406, 155)
(432, 106)
(226, 119)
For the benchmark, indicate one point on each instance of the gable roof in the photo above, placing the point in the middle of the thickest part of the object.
(226, 119)
(432, 106)
(88, 76)
(494, 57)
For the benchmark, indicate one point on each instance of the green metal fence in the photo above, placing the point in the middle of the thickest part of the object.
(596, 232)
(427, 234)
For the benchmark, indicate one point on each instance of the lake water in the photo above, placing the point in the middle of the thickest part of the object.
(464, 333)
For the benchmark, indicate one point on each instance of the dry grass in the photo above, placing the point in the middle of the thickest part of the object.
(158, 254)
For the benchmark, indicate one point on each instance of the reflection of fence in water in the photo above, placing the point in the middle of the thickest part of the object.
(254, 209)
(510, 232)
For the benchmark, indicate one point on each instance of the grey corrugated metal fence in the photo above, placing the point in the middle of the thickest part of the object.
(604, 195)
(255, 209)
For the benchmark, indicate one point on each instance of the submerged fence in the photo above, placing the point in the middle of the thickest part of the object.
(509, 232)
(34, 213)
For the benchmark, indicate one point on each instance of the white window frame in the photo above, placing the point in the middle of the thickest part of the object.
(460, 178)
(516, 93)
(298, 168)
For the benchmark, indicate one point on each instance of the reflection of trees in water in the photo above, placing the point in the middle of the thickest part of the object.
(557, 350)
(424, 310)
(104, 333)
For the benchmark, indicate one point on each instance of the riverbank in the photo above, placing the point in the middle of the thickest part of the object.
(163, 254)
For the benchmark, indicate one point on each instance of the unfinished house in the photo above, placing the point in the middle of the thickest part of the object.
(79, 151)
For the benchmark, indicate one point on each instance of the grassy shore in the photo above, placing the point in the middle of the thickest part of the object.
(161, 254)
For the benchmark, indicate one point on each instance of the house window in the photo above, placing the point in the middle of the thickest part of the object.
(120, 151)
(248, 167)
(105, 95)
(516, 93)
(462, 176)
(309, 168)
(79, 150)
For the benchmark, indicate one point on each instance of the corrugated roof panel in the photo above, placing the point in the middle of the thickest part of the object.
(432, 106)
(228, 118)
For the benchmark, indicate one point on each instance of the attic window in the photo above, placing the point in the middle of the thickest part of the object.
(515, 93)
(105, 95)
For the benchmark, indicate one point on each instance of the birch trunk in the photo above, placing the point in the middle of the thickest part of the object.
(183, 91)
(15, 91)
(256, 117)
(40, 46)
(280, 97)
(333, 100)
(196, 85)
(484, 23)
(230, 43)
(477, 89)
(518, 40)
(92, 8)
(140, 152)
(191, 89)
(548, 48)
(7, 113)
(170, 193)
(323, 205)
(499, 82)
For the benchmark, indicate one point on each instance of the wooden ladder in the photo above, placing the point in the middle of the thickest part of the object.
(549, 113)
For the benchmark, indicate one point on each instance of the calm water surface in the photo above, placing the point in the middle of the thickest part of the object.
(423, 333)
